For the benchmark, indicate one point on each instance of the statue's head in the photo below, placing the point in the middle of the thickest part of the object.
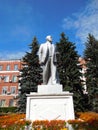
(49, 38)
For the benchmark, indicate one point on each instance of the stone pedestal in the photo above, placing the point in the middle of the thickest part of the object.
(50, 103)
(50, 89)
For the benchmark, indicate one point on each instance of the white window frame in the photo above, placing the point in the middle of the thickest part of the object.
(6, 78)
(11, 102)
(1, 67)
(8, 67)
(16, 67)
(4, 90)
(13, 91)
(2, 103)
(0, 78)
(14, 78)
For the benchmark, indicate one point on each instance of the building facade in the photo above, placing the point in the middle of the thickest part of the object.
(9, 85)
(9, 72)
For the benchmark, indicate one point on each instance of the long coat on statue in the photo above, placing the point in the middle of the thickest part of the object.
(47, 59)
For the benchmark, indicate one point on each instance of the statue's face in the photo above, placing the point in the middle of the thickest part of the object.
(49, 38)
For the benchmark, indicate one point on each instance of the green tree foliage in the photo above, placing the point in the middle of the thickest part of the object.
(69, 70)
(91, 54)
(30, 74)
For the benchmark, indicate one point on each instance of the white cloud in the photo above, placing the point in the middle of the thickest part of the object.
(84, 22)
(8, 56)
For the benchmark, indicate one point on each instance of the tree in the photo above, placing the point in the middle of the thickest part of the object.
(69, 70)
(30, 74)
(91, 54)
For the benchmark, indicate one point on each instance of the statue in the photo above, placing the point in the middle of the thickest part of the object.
(47, 60)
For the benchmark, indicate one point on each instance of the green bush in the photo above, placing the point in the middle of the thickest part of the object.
(7, 110)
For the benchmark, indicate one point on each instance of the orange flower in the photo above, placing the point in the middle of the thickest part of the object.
(53, 124)
(87, 120)
(11, 120)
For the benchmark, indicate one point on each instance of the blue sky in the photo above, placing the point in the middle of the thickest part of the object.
(21, 20)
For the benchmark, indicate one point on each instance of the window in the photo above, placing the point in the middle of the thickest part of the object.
(2, 103)
(13, 90)
(16, 67)
(4, 90)
(14, 78)
(0, 78)
(1, 67)
(6, 78)
(11, 102)
(8, 67)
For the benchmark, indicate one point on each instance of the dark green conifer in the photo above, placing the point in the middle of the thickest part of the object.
(91, 55)
(30, 76)
(69, 70)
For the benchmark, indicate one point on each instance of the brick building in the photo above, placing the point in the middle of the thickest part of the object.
(9, 70)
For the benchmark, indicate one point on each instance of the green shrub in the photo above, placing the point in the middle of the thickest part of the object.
(7, 110)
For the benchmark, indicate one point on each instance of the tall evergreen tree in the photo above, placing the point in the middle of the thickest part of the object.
(91, 54)
(30, 74)
(69, 70)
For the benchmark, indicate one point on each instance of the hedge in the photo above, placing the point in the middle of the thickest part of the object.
(7, 110)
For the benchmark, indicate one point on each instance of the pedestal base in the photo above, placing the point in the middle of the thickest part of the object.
(50, 106)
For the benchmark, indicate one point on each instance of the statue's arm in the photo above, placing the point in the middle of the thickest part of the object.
(56, 54)
(40, 54)
(56, 51)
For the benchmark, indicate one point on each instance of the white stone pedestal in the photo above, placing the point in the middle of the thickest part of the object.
(50, 89)
(50, 103)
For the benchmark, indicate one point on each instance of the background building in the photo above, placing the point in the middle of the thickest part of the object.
(9, 86)
(9, 71)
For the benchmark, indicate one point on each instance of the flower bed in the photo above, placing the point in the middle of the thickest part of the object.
(85, 121)
(13, 121)
(49, 125)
